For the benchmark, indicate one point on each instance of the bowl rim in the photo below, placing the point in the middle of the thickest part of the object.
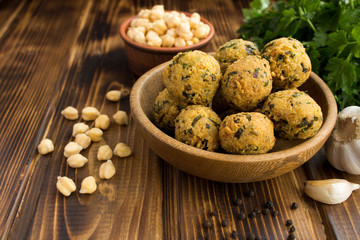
(125, 25)
(155, 132)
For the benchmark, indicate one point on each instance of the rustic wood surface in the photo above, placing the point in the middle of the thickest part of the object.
(59, 53)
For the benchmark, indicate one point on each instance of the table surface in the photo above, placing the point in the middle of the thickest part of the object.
(59, 53)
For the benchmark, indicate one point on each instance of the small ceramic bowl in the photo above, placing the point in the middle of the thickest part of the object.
(142, 58)
(284, 157)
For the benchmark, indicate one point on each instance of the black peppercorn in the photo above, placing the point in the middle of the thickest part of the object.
(252, 215)
(288, 222)
(291, 236)
(250, 193)
(294, 206)
(251, 236)
(257, 210)
(292, 229)
(275, 213)
(224, 223)
(269, 204)
(234, 234)
(238, 202)
(257, 237)
(207, 224)
(266, 211)
(213, 213)
(241, 215)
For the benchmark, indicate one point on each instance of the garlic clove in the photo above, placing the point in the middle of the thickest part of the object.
(350, 151)
(330, 191)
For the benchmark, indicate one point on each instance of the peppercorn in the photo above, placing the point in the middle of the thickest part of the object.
(291, 236)
(251, 236)
(275, 213)
(266, 211)
(292, 229)
(207, 224)
(234, 234)
(288, 222)
(250, 193)
(238, 202)
(241, 215)
(252, 215)
(269, 204)
(294, 206)
(225, 222)
(213, 213)
(257, 210)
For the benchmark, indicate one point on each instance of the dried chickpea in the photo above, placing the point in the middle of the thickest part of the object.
(88, 185)
(157, 12)
(195, 20)
(139, 37)
(104, 153)
(171, 32)
(202, 31)
(122, 150)
(72, 148)
(107, 170)
(89, 113)
(167, 40)
(79, 128)
(65, 185)
(95, 134)
(113, 95)
(179, 42)
(172, 21)
(102, 122)
(144, 13)
(46, 146)
(121, 118)
(153, 39)
(83, 140)
(77, 160)
(70, 113)
(159, 26)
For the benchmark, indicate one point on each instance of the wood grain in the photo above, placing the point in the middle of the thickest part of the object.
(59, 53)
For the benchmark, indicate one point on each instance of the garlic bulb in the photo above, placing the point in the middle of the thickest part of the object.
(343, 146)
(330, 191)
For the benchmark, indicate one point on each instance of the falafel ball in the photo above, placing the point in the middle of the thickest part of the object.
(192, 77)
(198, 126)
(247, 133)
(165, 110)
(289, 63)
(294, 113)
(233, 50)
(246, 83)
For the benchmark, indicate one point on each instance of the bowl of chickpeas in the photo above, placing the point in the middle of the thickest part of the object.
(154, 36)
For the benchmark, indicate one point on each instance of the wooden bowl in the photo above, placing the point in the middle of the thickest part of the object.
(142, 58)
(286, 155)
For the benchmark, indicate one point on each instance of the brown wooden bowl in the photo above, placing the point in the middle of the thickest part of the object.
(142, 58)
(284, 157)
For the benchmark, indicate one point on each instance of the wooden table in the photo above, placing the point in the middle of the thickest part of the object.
(59, 53)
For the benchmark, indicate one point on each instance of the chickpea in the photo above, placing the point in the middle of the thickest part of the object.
(90, 113)
(104, 153)
(157, 12)
(121, 118)
(167, 40)
(172, 21)
(65, 185)
(83, 140)
(72, 148)
(77, 160)
(144, 13)
(195, 20)
(122, 150)
(153, 39)
(179, 42)
(95, 134)
(159, 26)
(202, 31)
(113, 95)
(46, 146)
(107, 170)
(88, 185)
(102, 122)
(70, 113)
(79, 128)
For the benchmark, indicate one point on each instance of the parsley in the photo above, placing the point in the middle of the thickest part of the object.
(328, 29)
